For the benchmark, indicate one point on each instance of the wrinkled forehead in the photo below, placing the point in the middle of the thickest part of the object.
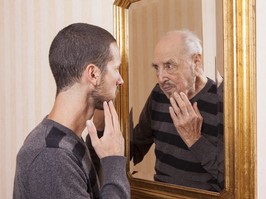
(168, 48)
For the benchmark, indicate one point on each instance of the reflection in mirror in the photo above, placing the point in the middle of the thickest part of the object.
(162, 155)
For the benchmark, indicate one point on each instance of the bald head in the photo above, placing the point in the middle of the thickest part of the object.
(177, 62)
(183, 42)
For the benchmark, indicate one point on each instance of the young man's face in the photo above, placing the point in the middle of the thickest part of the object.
(111, 78)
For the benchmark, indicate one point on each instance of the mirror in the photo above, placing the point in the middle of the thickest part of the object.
(148, 20)
(239, 111)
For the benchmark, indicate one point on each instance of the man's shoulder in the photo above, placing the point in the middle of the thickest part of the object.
(32, 146)
(36, 139)
(48, 136)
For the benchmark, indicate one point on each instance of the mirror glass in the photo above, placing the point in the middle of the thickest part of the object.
(148, 20)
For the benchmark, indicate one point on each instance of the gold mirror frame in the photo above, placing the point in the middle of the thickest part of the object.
(239, 110)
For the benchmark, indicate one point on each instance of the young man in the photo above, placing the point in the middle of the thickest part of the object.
(54, 161)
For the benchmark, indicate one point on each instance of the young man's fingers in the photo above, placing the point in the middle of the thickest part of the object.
(114, 115)
(92, 132)
(107, 118)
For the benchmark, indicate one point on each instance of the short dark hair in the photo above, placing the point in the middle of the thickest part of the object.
(76, 46)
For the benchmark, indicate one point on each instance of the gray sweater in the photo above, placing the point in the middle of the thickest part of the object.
(200, 166)
(54, 163)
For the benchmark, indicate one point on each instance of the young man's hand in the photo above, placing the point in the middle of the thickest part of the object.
(112, 141)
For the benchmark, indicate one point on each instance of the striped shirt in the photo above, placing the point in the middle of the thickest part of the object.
(200, 166)
(54, 163)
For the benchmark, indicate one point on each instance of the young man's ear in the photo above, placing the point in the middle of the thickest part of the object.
(92, 74)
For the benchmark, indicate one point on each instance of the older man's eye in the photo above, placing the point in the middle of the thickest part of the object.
(155, 66)
(168, 66)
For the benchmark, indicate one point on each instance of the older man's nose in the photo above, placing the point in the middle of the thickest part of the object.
(161, 75)
(120, 80)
